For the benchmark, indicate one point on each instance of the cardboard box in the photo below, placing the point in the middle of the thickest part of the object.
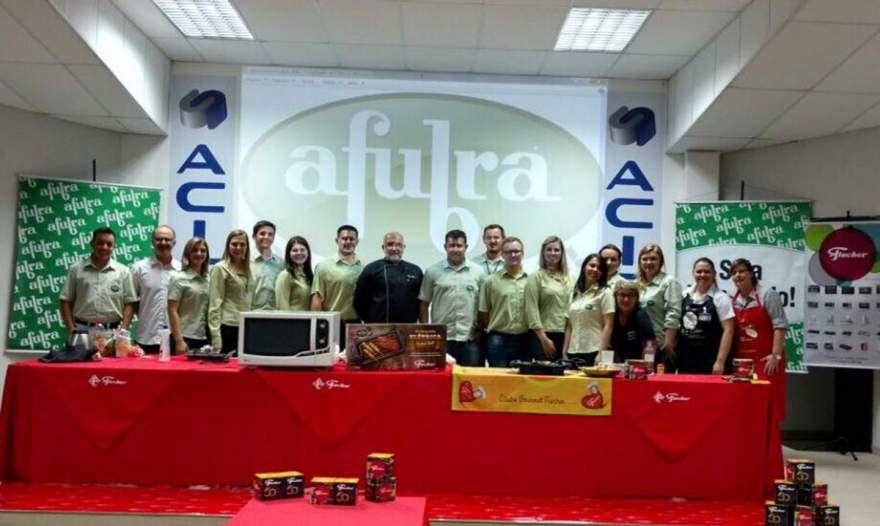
(279, 485)
(332, 490)
(380, 466)
(384, 490)
(776, 515)
(396, 346)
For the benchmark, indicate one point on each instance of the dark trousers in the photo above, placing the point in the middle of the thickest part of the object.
(504, 348)
(465, 353)
(558, 339)
(229, 337)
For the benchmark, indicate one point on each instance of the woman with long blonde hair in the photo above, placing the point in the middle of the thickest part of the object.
(230, 291)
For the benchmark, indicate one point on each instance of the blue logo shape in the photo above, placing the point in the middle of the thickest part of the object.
(627, 126)
(207, 108)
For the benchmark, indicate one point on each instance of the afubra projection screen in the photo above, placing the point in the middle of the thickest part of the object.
(421, 157)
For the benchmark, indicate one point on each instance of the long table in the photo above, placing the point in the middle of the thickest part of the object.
(180, 423)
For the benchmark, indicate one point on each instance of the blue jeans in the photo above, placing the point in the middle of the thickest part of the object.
(504, 348)
(537, 350)
(465, 353)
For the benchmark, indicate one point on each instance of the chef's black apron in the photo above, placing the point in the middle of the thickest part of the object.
(699, 336)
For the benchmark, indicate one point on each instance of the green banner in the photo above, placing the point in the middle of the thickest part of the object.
(768, 233)
(55, 223)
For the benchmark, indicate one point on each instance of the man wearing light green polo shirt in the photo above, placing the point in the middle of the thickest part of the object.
(98, 288)
(502, 308)
(335, 280)
(265, 267)
(451, 289)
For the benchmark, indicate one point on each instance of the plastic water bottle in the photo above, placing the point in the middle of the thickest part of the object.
(97, 336)
(164, 344)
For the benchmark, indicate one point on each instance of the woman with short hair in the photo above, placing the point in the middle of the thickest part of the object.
(660, 298)
(706, 332)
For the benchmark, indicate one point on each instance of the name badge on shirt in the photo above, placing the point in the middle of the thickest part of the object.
(705, 316)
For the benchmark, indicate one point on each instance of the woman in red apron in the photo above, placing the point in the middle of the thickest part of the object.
(760, 330)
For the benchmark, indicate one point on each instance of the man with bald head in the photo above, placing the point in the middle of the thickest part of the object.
(151, 276)
(387, 290)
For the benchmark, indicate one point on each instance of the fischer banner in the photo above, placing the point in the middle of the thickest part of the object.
(842, 322)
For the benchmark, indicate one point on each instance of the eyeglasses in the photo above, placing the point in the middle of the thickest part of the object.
(512, 252)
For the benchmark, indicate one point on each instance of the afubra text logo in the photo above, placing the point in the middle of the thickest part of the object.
(207, 108)
(422, 163)
(636, 125)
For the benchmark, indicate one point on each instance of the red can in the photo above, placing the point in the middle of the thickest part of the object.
(381, 491)
(820, 494)
(743, 367)
(800, 471)
(804, 516)
(380, 466)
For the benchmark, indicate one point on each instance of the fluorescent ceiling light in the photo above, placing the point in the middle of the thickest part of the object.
(205, 18)
(590, 29)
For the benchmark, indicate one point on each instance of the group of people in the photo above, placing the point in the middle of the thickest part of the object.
(494, 311)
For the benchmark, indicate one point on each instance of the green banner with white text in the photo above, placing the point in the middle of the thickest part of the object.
(55, 223)
(768, 233)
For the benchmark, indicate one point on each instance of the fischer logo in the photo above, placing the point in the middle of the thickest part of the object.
(660, 398)
(836, 253)
(331, 384)
(96, 380)
(422, 364)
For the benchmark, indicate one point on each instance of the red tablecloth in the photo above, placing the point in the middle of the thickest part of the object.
(405, 511)
(179, 423)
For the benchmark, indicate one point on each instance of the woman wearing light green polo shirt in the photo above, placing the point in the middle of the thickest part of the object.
(548, 293)
(188, 298)
(660, 298)
(231, 291)
(293, 287)
(591, 313)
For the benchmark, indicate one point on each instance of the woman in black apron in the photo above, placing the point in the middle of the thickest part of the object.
(707, 324)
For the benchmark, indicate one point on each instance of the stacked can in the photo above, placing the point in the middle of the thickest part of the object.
(278, 485)
(799, 499)
(381, 482)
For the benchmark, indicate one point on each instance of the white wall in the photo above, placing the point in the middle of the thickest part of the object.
(839, 173)
(38, 145)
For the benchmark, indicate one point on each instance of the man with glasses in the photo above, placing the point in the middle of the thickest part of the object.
(151, 276)
(502, 308)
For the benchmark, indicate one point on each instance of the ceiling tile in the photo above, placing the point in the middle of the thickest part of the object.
(106, 123)
(727, 55)
(859, 74)
(706, 5)
(8, 97)
(284, 20)
(521, 27)
(301, 54)
(869, 119)
(678, 32)
(762, 143)
(52, 30)
(149, 18)
(710, 144)
(852, 11)
(578, 64)
(509, 62)
(754, 23)
(440, 59)
(142, 126)
(107, 90)
(441, 25)
(50, 88)
(619, 4)
(371, 57)
(741, 112)
(17, 45)
(178, 49)
(801, 54)
(231, 52)
(362, 21)
(648, 67)
(84, 17)
(819, 114)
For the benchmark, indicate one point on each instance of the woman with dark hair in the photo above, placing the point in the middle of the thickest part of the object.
(660, 298)
(548, 292)
(294, 284)
(760, 329)
(231, 291)
(591, 313)
(706, 332)
(612, 255)
(632, 337)
(188, 298)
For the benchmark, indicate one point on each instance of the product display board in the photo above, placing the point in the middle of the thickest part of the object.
(55, 223)
(842, 322)
(767, 233)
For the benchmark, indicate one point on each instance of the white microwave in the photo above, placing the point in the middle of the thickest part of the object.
(288, 339)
